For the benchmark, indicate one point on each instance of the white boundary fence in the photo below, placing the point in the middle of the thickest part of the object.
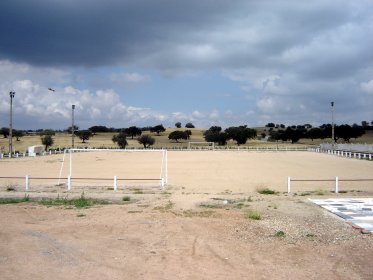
(357, 148)
(347, 154)
(24, 154)
(209, 144)
(336, 180)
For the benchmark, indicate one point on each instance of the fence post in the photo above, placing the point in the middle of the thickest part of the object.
(336, 185)
(69, 183)
(115, 183)
(27, 182)
(289, 184)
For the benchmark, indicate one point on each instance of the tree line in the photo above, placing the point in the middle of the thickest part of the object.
(240, 134)
(295, 133)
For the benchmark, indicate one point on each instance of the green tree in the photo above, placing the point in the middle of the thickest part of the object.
(43, 132)
(120, 139)
(189, 125)
(240, 134)
(215, 129)
(18, 134)
(188, 133)
(76, 128)
(5, 132)
(47, 141)
(146, 140)
(177, 135)
(133, 131)
(346, 132)
(314, 133)
(293, 134)
(214, 134)
(84, 135)
(158, 129)
(98, 128)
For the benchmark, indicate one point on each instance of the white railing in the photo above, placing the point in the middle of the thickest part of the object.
(362, 148)
(346, 154)
(336, 180)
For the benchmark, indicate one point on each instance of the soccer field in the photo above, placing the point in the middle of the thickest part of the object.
(196, 171)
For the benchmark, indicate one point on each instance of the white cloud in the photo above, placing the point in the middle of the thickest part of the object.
(129, 78)
(367, 87)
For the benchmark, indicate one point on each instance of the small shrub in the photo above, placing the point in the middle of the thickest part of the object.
(10, 188)
(165, 208)
(280, 233)
(82, 202)
(305, 193)
(126, 198)
(137, 191)
(266, 191)
(239, 205)
(208, 205)
(253, 215)
(320, 192)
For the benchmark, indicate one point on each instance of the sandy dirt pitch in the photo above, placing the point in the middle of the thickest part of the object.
(197, 228)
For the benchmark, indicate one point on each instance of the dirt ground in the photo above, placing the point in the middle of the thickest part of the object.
(196, 228)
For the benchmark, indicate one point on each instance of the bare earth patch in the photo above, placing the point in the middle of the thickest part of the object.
(197, 228)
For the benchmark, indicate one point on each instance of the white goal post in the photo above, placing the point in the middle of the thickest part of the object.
(163, 175)
(208, 144)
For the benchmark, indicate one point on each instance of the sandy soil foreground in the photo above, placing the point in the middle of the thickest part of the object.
(196, 228)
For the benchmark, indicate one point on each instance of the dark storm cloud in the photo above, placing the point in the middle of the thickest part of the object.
(96, 32)
(178, 35)
(290, 58)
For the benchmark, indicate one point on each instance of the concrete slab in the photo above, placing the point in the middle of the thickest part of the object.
(356, 211)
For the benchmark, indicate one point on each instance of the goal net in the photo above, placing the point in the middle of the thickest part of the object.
(201, 145)
(114, 168)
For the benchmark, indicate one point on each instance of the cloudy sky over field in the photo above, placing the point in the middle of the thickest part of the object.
(211, 62)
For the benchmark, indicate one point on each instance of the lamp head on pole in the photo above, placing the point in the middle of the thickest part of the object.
(73, 107)
(11, 94)
(332, 103)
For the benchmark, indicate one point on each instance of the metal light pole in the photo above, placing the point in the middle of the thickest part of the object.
(72, 125)
(332, 103)
(11, 95)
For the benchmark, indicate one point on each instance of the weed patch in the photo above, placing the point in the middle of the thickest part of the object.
(81, 202)
(201, 214)
(212, 206)
(126, 198)
(137, 191)
(266, 191)
(165, 208)
(10, 188)
(280, 233)
(253, 215)
(26, 198)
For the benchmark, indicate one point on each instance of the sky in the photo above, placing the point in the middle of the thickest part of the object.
(213, 62)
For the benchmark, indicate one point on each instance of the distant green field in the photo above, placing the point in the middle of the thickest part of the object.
(104, 140)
